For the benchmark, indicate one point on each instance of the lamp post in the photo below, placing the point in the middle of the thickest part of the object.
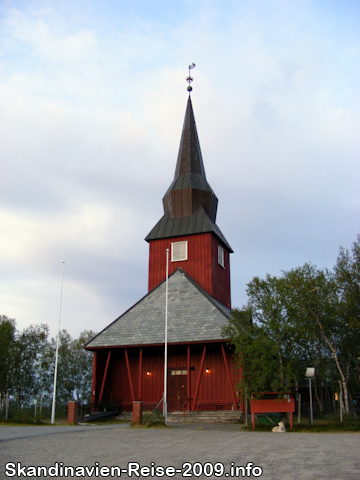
(310, 373)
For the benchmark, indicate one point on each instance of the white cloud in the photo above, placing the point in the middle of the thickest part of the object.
(92, 103)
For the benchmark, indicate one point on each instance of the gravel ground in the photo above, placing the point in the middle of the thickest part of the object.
(279, 456)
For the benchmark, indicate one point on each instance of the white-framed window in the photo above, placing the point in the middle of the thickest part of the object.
(178, 372)
(179, 251)
(221, 256)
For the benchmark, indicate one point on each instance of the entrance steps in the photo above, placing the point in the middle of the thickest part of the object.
(126, 416)
(209, 416)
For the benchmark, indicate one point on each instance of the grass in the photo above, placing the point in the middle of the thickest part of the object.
(107, 421)
(46, 422)
(141, 425)
(319, 425)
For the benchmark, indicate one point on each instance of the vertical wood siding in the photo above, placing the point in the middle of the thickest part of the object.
(202, 264)
(214, 385)
(198, 264)
(220, 276)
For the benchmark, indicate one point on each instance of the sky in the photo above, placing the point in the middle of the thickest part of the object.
(92, 102)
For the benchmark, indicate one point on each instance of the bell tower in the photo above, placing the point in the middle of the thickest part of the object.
(188, 227)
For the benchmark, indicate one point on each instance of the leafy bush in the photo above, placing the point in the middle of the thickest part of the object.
(23, 415)
(152, 419)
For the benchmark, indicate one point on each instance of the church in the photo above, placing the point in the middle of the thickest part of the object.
(128, 362)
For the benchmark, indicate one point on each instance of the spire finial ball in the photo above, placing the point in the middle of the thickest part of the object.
(189, 78)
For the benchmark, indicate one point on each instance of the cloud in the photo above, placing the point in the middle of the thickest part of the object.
(93, 99)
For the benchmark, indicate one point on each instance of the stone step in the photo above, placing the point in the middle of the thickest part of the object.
(209, 416)
(128, 416)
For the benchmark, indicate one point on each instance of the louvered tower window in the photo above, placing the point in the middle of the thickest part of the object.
(179, 251)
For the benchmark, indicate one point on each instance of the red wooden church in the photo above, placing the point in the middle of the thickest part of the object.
(129, 353)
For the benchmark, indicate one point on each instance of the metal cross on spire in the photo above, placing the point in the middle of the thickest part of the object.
(189, 78)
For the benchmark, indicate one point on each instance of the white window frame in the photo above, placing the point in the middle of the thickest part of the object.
(221, 256)
(179, 372)
(179, 251)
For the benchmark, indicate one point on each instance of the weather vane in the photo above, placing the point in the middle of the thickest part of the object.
(189, 78)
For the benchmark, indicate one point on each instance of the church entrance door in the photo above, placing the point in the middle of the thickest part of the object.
(177, 390)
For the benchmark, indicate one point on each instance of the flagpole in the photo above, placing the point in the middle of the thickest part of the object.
(57, 350)
(166, 325)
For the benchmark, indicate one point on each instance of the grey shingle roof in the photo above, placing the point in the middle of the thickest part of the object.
(198, 222)
(193, 316)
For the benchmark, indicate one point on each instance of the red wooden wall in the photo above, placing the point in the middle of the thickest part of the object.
(220, 275)
(202, 264)
(214, 386)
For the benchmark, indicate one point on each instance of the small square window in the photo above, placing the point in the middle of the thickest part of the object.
(221, 256)
(179, 251)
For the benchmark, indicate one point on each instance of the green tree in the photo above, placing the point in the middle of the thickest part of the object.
(27, 364)
(7, 351)
(329, 303)
(264, 338)
(347, 275)
(261, 359)
(82, 366)
(308, 316)
(313, 305)
(30, 363)
(74, 374)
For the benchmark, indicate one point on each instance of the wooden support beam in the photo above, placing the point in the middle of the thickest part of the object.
(129, 375)
(199, 378)
(229, 377)
(104, 377)
(140, 374)
(93, 391)
(188, 379)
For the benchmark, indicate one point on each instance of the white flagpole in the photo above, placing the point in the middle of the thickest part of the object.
(166, 325)
(57, 350)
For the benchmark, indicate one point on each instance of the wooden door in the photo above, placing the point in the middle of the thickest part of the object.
(177, 392)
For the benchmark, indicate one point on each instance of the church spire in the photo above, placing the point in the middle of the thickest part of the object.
(188, 227)
(190, 189)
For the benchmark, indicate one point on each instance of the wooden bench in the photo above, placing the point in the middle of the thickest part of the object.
(273, 405)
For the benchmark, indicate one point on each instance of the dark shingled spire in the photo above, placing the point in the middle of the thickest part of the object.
(190, 204)
(190, 189)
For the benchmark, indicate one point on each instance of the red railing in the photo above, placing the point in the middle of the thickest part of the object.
(183, 407)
